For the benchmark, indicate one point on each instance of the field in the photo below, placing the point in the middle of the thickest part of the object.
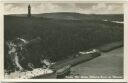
(63, 37)
(63, 34)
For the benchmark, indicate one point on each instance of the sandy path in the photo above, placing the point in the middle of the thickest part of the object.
(109, 64)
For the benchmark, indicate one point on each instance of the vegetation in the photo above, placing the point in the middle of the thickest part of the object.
(63, 37)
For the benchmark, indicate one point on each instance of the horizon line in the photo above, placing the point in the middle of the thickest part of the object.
(65, 12)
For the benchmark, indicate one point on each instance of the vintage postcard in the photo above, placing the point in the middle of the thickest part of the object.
(53, 40)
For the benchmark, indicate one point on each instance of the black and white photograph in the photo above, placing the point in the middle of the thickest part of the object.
(63, 40)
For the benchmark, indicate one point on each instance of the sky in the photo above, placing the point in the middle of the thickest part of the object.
(84, 8)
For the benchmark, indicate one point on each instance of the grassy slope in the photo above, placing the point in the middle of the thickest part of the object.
(62, 37)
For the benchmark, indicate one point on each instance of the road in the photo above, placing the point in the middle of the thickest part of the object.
(108, 65)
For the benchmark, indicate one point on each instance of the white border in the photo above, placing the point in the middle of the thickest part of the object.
(66, 80)
(64, 1)
(126, 41)
(1, 40)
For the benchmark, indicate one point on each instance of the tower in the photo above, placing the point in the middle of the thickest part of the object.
(29, 10)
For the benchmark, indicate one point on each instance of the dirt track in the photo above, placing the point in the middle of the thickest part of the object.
(109, 65)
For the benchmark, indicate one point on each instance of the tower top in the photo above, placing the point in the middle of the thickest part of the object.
(29, 10)
(29, 6)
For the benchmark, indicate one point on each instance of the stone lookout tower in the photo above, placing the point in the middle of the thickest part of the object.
(29, 10)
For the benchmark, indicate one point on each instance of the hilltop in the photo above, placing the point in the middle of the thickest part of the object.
(75, 16)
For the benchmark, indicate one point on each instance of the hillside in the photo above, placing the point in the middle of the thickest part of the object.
(64, 34)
